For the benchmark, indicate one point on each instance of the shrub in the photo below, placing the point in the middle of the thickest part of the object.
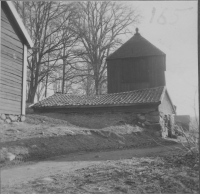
(189, 139)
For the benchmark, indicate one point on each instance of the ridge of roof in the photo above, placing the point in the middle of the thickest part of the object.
(136, 46)
(131, 91)
(20, 23)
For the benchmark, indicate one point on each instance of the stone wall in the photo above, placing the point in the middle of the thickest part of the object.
(9, 118)
(156, 122)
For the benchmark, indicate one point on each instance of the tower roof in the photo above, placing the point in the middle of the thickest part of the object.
(137, 46)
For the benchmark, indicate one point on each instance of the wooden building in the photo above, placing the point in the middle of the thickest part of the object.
(15, 41)
(137, 64)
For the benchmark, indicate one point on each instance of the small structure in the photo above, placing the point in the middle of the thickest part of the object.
(182, 121)
(147, 106)
(137, 64)
(14, 43)
(136, 85)
(137, 101)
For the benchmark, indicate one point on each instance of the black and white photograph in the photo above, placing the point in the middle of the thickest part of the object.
(99, 97)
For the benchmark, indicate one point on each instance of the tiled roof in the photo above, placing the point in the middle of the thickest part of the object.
(137, 46)
(149, 95)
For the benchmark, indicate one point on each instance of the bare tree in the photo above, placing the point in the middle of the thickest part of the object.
(68, 44)
(40, 91)
(99, 26)
(41, 19)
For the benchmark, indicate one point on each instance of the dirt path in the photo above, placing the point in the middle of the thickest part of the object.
(71, 162)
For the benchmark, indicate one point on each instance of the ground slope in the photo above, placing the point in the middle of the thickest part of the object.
(41, 137)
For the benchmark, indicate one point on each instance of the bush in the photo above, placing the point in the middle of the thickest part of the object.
(190, 139)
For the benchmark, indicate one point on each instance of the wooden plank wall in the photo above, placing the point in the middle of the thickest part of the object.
(11, 68)
(113, 75)
(156, 67)
(156, 75)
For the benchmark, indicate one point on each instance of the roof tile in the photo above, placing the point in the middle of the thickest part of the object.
(149, 95)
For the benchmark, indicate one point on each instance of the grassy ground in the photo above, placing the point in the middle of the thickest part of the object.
(136, 175)
(42, 136)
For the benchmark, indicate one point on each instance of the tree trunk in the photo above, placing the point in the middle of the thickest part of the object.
(46, 85)
(63, 81)
(63, 78)
(88, 83)
(31, 94)
(97, 86)
(23, 12)
(87, 87)
(47, 78)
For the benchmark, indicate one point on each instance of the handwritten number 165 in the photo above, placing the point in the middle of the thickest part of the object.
(162, 19)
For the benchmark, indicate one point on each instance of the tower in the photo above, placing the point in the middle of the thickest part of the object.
(137, 64)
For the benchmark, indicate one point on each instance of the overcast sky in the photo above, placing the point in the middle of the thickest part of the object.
(172, 27)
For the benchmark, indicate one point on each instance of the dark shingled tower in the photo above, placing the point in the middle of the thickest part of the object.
(137, 64)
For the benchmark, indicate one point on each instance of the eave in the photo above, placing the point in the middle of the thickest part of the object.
(19, 23)
(96, 106)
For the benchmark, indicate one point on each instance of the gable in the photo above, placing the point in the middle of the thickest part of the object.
(16, 22)
(166, 106)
